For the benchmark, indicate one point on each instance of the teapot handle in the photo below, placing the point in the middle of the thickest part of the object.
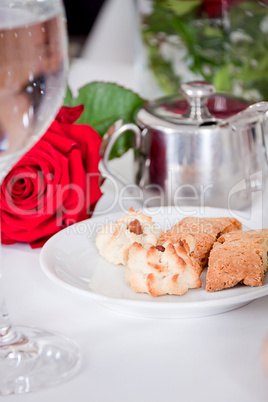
(108, 143)
(262, 107)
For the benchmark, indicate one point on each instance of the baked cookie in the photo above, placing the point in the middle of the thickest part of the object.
(252, 236)
(213, 226)
(199, 234)
(115, 239)
(161, 270)
(238, 257)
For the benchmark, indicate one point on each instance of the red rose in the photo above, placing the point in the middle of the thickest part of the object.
(217, 8)
(54, 185)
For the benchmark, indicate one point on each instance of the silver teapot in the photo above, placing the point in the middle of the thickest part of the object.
(200, 149)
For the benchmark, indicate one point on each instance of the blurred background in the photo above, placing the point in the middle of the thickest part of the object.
(224, 42)
(81, 15)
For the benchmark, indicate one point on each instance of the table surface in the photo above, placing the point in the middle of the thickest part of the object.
(123, 358)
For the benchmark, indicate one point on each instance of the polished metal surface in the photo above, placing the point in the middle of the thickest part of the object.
(203, 167)
(214, 162)
(197, 94)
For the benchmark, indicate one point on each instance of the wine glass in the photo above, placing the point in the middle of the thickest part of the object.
(33, 68)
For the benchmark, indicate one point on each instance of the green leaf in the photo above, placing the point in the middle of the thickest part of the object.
(248, 72)
(104, 104)
(182, 7)
(210, 31)
(68, 96)
(222, 81)
(158, 21)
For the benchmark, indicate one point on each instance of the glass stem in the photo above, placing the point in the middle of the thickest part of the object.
(8, 335)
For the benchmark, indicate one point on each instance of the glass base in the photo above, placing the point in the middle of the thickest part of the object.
(36, 359)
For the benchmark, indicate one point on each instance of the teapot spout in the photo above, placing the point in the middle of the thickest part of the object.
(260, 107)
(257, 112)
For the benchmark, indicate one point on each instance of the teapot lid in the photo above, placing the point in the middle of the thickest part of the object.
(199, 106)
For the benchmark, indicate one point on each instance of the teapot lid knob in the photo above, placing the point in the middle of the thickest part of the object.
(197, 94)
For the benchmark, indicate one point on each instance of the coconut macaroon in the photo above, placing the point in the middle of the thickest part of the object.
(199, 234)
(162, 270)
(115, 239)
(238, 257)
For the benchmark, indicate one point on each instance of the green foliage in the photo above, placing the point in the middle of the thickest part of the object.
(104, 104)
(230, 52)
(182, 7)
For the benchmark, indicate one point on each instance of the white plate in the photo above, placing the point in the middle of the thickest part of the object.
(70, 258)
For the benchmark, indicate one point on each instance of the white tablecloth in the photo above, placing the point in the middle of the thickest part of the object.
(215, 358)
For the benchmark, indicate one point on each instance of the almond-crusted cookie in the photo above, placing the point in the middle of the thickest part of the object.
(114, 240)
(238, 257)
(199, 234)
(161, 270)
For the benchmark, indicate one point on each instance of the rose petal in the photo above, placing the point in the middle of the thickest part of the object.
(48, 188)
(69, 114)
